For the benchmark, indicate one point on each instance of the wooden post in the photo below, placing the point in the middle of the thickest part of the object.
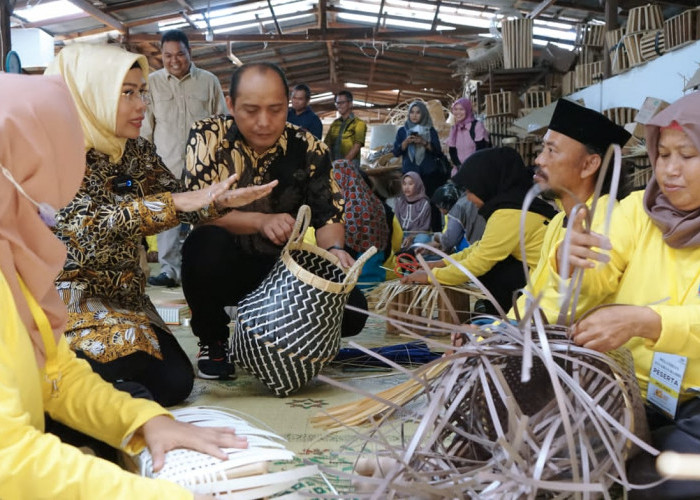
(5, 38)
(610, 25)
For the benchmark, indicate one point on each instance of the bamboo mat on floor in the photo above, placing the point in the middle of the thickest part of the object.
(289, 417)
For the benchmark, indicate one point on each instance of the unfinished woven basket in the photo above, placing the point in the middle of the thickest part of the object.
(288, 328)
(507, 416)
(243, 476)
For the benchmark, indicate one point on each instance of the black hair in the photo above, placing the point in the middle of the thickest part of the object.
(346, 93)
(175, 36)
(624, 185)
(305, 88)
(261, 67)
(446, 196)
(136, 65)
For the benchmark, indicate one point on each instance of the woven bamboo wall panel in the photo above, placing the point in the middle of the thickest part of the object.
(517, 43)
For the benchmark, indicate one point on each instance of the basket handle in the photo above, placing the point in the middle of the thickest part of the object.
(301, 224)
(354, 271)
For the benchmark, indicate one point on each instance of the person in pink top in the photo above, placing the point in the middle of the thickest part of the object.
(466, 135)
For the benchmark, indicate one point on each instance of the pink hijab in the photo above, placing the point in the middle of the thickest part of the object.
(41, 144)
(680, 229)
(460, 137)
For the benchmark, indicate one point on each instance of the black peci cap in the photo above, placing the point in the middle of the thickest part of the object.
(586, 126)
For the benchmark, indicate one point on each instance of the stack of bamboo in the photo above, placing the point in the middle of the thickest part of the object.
(682, 29)
(644, 23)
(589, 42)
(501, 111)
(517, 43)
(618, 54)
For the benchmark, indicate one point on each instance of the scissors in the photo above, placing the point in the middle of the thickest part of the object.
(406, 264)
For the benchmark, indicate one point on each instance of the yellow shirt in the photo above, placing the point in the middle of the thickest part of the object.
(645, 271)
(547, 282)
(501, 238)
(34, 464)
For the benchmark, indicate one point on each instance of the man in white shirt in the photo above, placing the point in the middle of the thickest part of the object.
(181, 95)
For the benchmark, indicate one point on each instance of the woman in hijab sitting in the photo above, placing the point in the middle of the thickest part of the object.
(42, 161)
(648, 282)
(466, 135)
(418, 144)
(127, 193)
(496, 181)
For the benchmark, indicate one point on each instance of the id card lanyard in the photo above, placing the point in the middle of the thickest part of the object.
(52, 374)
(665, 380)
(667, 370)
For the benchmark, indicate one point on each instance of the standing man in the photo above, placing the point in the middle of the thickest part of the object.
(181, 95)
(568, 168)
(300, 113)
(224, 261)
(347, 133)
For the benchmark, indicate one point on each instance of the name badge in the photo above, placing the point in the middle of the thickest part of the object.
(665, 378)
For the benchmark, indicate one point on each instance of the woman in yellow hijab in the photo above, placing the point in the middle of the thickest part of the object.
(127, 193)
(41, 166)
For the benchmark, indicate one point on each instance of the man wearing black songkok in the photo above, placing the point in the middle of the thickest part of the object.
(568, 167)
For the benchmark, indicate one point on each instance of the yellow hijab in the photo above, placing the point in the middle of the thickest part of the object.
(41, 146)
(94, 75)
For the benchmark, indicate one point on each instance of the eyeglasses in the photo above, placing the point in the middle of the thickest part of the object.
(338, 103)
(131, 95)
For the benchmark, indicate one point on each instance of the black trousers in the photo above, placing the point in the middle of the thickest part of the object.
(502, 280)
(681, 435)
(167, 381)
(216, 274)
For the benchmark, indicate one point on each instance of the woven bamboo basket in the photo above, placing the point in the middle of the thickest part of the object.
(652, 45)
(243, 476)
(288, 328)
(682, 29)
(588, 74)
(401, 302)
(590, 34)
(633, 48)
(644, 18)
(621, 115)
(513, 417)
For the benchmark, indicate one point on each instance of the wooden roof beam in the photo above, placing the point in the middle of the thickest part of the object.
(541, 7)
(332, 34)
(101, 16)
(130, 5)
(274, 17)
(331, 63)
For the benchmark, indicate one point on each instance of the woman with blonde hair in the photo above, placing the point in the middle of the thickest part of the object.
(127, 193)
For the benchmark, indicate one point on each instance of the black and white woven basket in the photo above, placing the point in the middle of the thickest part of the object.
(288, 328)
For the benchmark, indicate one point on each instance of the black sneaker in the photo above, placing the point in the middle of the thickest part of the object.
(162, 280)
(214, 361)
